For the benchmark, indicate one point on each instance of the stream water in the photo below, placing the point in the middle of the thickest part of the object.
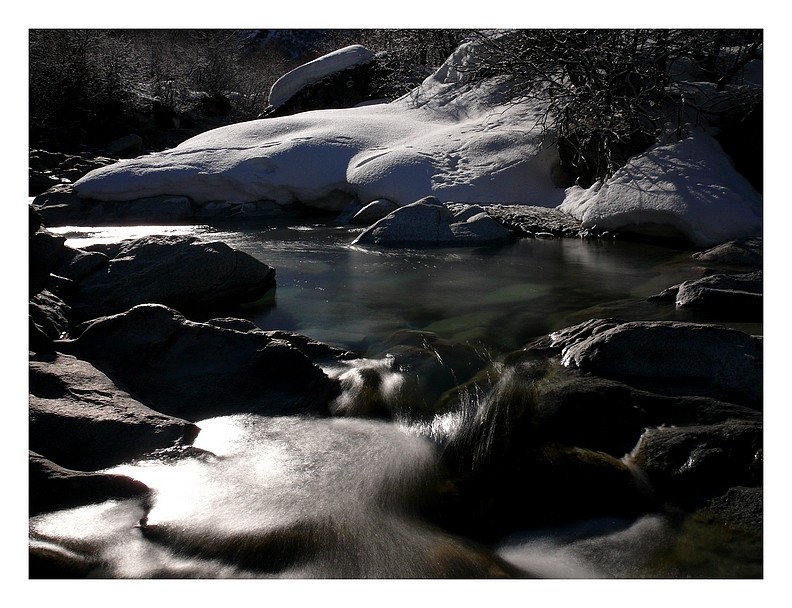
(340, 497)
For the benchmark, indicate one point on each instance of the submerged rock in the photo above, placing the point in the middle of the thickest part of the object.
(182, 272)
(196, 370)
(81, 420)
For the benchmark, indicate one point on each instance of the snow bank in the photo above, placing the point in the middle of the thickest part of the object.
(300, 77)
(442, 140)
(688, 188)
(449, 138)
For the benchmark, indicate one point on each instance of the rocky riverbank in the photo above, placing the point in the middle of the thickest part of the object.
(133, 345)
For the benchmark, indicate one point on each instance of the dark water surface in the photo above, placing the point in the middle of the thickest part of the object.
(494, 297)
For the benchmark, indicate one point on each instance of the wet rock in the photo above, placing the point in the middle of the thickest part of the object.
(675, 358)
(198, 370)
(81, 420)
(740, 508)
(53, 487)
(723, 296)
(181, 272)
(430, 222)
(692, 463)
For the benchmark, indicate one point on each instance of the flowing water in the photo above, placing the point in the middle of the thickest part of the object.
(344, 497)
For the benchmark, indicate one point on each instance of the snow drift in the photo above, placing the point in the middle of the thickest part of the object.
(449, 138)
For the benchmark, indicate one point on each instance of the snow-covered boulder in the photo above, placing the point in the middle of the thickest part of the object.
(446, 140)
(430, 222)
(309, 73)
(688, 189)
(373, 212)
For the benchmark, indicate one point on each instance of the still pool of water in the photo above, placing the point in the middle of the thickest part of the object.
(497, 298)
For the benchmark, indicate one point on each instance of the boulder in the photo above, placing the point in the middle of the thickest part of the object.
(129, 145)
(430, 222)
(373, 212)
(723, 296)
(743, 252)
(44, 250)
(675, 358)
(59, 206)
(690, 464)
(81, 420)
(177, 271)
(48, 317)
(53, 487)
(198, 370)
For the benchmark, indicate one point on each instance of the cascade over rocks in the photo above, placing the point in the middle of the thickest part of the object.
(182, 272)
(81, 420)
(198, 370)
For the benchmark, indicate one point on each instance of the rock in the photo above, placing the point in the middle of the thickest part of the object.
(44, 250)
(148, 210)
(49, 314)
(81, 420)
(53, 487)
(430, 222)
(56, 169)
(76, 264)
(373, 212)
(722, 296)
(59, 206)
(675, 358)
(529, 220)
(127, 146)
(740, 508)
(198, 370)
(742, 253)
(689, 464)
(181, 272)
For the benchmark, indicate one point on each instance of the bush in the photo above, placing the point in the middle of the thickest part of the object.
(608, 93)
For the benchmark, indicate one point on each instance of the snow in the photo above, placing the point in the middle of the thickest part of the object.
(686, 188)
(300, 77)
(449, 138)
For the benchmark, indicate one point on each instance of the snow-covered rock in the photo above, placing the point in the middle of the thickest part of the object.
(307, 74)
(688, 188)
(430, 222)
(451, 138)
(443, 140)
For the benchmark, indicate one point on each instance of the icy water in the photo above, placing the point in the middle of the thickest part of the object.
(494, 297)
(293, 497)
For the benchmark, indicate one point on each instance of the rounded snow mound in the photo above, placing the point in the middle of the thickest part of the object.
(688, 188)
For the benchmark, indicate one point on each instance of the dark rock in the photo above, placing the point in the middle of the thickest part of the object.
(59, 206)
(198, 370)
(741, 253)
(692, 463)
(81, 420)
(675, 358)
(127, 146)
(44, 250)
(53, 487)
(740, 508)
(49, 315)
(181, 272)
(734, 297)
(76, 264)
